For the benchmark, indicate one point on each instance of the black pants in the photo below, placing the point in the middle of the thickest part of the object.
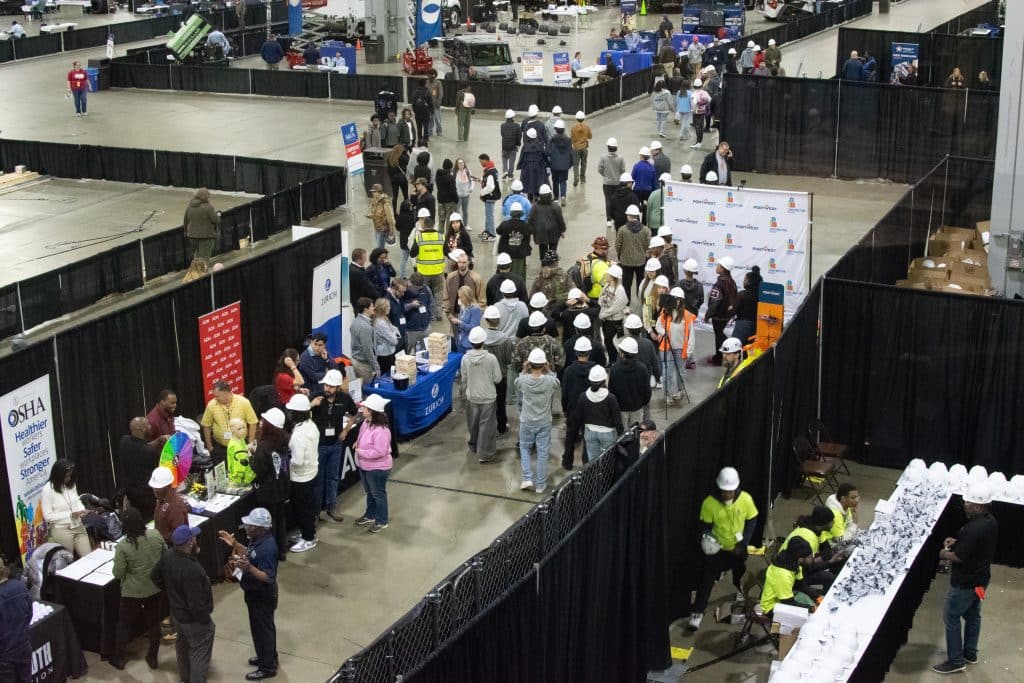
(719, 327)
(398, 184)
(629, 274)
(423, 130)
(278, 513)
(128, 614)
(609, 190)
(611, 329)
(698, 126)
(714, 565)
(261, 605)
(305, 507)
(822, 577)
(501, 409)
(16, 667)
(569, 455)
(545, 248)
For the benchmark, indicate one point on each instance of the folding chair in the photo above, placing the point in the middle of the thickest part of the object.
(829, 449)
(753, 581)
(814, 470)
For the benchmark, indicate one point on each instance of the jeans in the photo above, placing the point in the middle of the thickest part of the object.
(685, 119)
(304, 506)
(489, 217)
(80, 97)
(508, 162)
(193, 649)
(435, 121)
(329, 474)
(482, 423)
(962, 603)
(597, 442)
(661, 117)
(405, 262)
(379, 239)
(261, 605)
(464, 210)
(128, 614)
(714, 565)
(579, 165)
(375, 483)
(538, 435)
(559, 179)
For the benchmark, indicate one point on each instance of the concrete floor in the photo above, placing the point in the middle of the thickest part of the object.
(446, 507)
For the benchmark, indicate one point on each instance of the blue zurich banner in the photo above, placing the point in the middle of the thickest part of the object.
(428, 20)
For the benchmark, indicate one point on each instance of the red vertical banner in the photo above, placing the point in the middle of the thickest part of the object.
(220, 345)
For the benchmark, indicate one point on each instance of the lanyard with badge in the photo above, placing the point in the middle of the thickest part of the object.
(226, 434)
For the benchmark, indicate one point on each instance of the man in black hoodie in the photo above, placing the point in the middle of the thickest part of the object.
(447, 196)
(630, 382)
(514, 239)
(504, 272)
(511, 138)
(583, 326)
(721, 305)
(597, 412)
(622, 199)
(574, 383)
(359, 284)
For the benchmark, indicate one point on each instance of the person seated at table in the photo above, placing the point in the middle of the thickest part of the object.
(134, 559)
(613, 33)
(843, 504)
(18, 31)
(782, 575)
(610, 70)
(814, 570)
(217, 37)
(63, 511)
(239, 471)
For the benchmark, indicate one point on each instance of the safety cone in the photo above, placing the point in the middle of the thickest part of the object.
(643, 8)
(359, 44)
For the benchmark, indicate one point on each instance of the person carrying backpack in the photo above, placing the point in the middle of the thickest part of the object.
(422, 109)
(701, 106)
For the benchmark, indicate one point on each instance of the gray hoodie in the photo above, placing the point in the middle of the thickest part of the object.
(512, 311)
(480, 373)
(499, 345)
(363, 348)
(535, 396)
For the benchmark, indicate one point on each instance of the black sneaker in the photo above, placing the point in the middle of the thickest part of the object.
(364, 521)
(948, 668)
(377, 528)
(971, 659)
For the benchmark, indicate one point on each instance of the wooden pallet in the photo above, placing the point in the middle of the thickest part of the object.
(9, 180)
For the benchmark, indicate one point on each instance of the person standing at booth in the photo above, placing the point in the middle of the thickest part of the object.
(134, 559)
(272, 53)
(329, 411)
(216, 420)
(78, 86)
(305, 471)
(161, 416)
(427, 247)
(271, 463)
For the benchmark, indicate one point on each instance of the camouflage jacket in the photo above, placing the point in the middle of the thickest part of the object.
(552, 349)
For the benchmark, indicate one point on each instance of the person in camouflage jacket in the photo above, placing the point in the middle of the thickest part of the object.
(552, 281)
(538, 339)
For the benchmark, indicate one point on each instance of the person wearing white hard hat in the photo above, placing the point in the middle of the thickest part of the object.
(533, 164)
(630, 381)
(747, 58)
(549, 125)
(559, 153)
(652, 300)
(731, 350)
(537, 337)
(728, 516)
(731, 58)
(622, 199)
(669, 254)
(551, 284)
(574, 379)
(481, 373)
(502, 272)
(662, 104)
(655, 202)
(514, 235)
(375, 451)
(721, 304)
(647, 354)
(499, 344)
(613, 304)
(580, 136)
(516, 195)
(330, 409)
(511, 139)
(700, 104)
(644, 178)
(719, 162)
(773, 55)
(457, 239)
(535, 389)
(534, 123)
(662, 164)
(676, 343)
(611, 166)
(305, 472)
(646, 286)
(426, 245)
(585, 324)
(511, 307)
(970, 554)
(597, 412)
(686, 173)
(462, 276)
(710, 179)
(693, 292)
(631, 242)
(270, 462)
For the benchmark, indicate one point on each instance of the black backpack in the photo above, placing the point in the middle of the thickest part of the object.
(421, 105)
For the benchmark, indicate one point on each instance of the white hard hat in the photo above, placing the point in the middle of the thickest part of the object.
(492, 312)
(477, 335)
(629, 345)
(625, 178)
(376, 402)
(162, 476)
(726, 262)
(710, 545)
(633, 322)
(537, 319)
(697, 82)
(686, 169)
(731, 345)
(531, 133)
(455, 216)
(732, 50)
(632, 210)
(517, 186)
(597, 374)
(711, 177)
(504, 259)
(556, 109)
(333, 378)
(665, 231)
(653, 264)
(581, 321)
(615, 271)
(559, 124)
(710, 68)
(580, 116)
(645, 151)
(655, 243)
(750, 43)
(771, 41)
(728, 479)
(456, 254)
(655, 144)
(509, 114)
(661, 281)
(537, 356)
(515, 206)
(508, 287)
(423, 213)
(544, 189)
(538, 300)
(978, 492)
(274, 416)
(574, 293)
(299, 402)
(690, 266)
(665, 177)
(583, 345)
(533, 111)
(677, 292)
(612, 142)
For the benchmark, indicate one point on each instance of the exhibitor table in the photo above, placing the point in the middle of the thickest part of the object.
(419, 407)
(58, 656)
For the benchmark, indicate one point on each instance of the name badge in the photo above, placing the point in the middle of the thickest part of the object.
(423, 309)
(329, 431)
(227, 436)
(401, 321)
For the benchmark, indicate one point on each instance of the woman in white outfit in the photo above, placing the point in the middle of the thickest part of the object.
(63, 511)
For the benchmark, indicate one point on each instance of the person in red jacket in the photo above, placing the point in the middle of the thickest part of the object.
(78, 86)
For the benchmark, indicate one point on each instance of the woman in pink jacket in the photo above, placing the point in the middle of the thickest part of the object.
(373, 453)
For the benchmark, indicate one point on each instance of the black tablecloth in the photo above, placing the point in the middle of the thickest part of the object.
(93, 611)
(56, 653)
(213, 554)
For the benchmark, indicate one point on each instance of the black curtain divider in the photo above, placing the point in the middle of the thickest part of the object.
(249, 175)
(286, 209)
(14, 152)
(164, 253)
(366, 86)
(148, 76)
(177, 169)
(76, 39)
(879, 45)
(787, 31)
(637, 84)
(316, 194)
(127, 165)
(289, 84)
(987, 13)
(600, 96)
(6, 51)
(117, 270)
(981, 121)
(262, 215)
(230, 228)
(213, 79)
(10, 311)
(63, 160)
(36, 46)
(40, 299)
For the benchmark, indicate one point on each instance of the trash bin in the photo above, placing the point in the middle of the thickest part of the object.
(94, 78)
(375, 169)
(373, 50)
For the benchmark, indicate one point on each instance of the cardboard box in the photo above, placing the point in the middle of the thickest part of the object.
(984, 232)
(786, 640)
(961, 272)
(961, 234)
(918, 272)
(975, 256)
(910, 284)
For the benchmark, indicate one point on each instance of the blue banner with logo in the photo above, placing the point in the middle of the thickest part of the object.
(628, 7)
(902, 56)
(428, 20)
(327, 297)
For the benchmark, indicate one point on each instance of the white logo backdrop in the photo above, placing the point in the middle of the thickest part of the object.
(766, 228)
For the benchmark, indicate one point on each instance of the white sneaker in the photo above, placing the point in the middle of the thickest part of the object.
(303, 546)
(694, 623)
(541, 489)
(695, 145)
(526, 485)
(609, 224)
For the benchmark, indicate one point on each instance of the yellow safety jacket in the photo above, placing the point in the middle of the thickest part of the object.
(752, 355)
(598, 267)
(430, 257)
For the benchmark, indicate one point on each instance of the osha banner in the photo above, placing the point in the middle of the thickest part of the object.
(428, 20)
(326, 302)
(30, 452)
(765, 228)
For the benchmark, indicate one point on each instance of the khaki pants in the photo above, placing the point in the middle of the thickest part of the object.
(363, 372)
(74, 539)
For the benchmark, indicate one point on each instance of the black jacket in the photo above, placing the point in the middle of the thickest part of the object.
(405, 223)
(272, 484)
(550, 328)
(494, 287)
(567, 316)
(621, 200)
(546, 221)
(511, 135)
(710, 163)
(604, 413)
(446, 193)
(359, 284)
(463, 241)
(575, 380)
(722, 299)
(184, 581)
(425, 201)
(630, 381)
(597, 352)
(514, 238)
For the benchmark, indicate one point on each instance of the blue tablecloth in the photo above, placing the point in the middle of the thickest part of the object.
(335, 48)
(421, 405)
(629, 62)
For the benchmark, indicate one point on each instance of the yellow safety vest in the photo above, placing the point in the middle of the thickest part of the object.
(752, 355)
(598, 267)
(812, 540)
(430, 257)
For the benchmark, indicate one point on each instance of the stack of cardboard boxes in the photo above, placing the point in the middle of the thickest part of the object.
(437, 348)
(957, 262)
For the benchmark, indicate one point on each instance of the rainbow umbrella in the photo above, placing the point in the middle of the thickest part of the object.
(177, 456)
